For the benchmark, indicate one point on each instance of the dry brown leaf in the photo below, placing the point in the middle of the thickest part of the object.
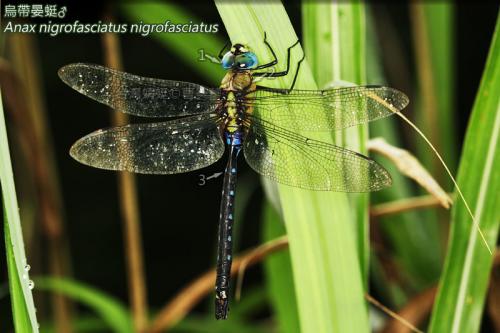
(417, 309)
(411, 167)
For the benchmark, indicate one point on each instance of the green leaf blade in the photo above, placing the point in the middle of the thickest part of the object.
(323, 241)
(440, 21)
(110, 310)
(23, 307)
(279, 275)
(335, 34)
(19, 310)
(462, 291)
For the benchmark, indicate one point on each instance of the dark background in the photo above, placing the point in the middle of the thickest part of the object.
(179, 217)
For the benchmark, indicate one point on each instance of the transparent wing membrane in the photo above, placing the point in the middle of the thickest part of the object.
(326, 110)
(291, 159)
(160, 148)
(138, 95)
(194, 141)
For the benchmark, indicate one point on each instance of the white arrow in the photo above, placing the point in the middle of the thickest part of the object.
(212, 59)
(215, 175)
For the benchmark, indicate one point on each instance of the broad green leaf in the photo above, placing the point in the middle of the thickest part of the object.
(23, 308)
(325, 261)
(335, 39)
(109, 309)
(462, 288)
(279, 275)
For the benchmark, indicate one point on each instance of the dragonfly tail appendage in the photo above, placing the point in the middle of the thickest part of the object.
(224, 256)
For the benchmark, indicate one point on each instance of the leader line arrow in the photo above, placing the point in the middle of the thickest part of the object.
(215, 175)
(212, 59)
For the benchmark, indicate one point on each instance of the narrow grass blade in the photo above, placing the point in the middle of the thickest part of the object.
(110, 310)
(20, 312)
(440, 20)
(23, 307)
(432, 27)
(30, 118)
(434, 47)
(462, 288)
(325, 260)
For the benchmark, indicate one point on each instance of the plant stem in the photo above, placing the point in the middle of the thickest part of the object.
(129, 207)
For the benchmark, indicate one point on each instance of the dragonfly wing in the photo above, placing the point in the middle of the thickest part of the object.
(325, 110)
(292, 159)
(136, 95)
(159, 148)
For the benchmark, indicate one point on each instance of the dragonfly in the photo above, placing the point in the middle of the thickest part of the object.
(239, 116)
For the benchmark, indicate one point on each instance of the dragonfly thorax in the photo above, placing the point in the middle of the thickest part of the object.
(234, 107)
(238, 81)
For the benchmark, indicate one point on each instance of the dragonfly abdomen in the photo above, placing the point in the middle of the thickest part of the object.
(233, 122)
(235, 113)
(224, 255)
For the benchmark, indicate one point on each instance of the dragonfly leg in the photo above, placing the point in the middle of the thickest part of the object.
(284, 91)
(275, 59)
(297, 71)
(285, 72)
(224, 252)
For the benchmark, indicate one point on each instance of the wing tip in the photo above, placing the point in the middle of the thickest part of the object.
(381, 178)
(81, 153)
(399, 98)
(75, 150)
(65, 72)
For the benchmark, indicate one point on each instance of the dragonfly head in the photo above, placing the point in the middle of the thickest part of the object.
(239, 58)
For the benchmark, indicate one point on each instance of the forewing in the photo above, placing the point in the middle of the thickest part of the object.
(139, 96)
(159, 148)
(324, 110)
(291, 159)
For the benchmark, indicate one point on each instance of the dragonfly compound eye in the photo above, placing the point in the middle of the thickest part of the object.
(228, 60)
(247, 60)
